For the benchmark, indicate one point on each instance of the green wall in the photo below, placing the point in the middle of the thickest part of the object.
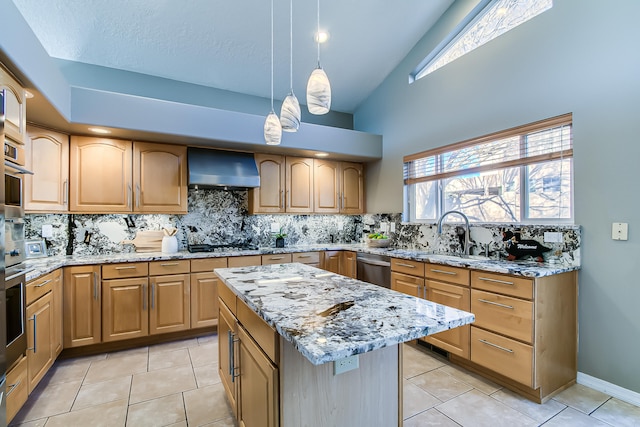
(581, 57)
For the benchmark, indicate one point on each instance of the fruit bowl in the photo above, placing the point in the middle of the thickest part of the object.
(378, 243)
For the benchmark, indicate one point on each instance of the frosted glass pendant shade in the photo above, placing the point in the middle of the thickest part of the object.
(318, 92)
(272, 129)
(290, 113)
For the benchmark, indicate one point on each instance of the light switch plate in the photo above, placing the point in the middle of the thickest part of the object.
(552, 237)
(384, 226)
(620, 231)
(393, 227)
(275, 227)
(47, 231)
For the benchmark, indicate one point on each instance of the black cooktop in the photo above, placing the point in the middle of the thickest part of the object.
(222, 247)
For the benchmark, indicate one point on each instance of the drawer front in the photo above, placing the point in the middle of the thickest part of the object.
(503, 355)
(446, 273)
(276, 259)
(406, 266)
(306, 257)
(159, 268)
(37, 288)
(502, 314)
(244, 261)
(407, 284)
(260, 331)
(509, 285)
(124, 270)
(207, 264)
(17, 391)
(227, 296)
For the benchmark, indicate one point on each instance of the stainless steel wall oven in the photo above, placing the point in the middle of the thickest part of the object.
(15, 305)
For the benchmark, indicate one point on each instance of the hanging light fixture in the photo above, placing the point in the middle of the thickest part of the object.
(290, 112)
(318, 87)
(272, 127)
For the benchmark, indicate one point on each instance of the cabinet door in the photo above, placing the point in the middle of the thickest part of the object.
(455, 340)
(125, 311)
(245, 261)
(169, 304)
(269, 197)
(410, 285)
(47, 156)
(258, 402)
(326, 186)
(100, 174)
(17, 389)
(227, 332)
(82, 316)
(159, 178)
(331, 261)
(299, 185)
(39, 332)
(351, 188)
(57, 287)
(349, 265)
(204, 299)
(15, 115)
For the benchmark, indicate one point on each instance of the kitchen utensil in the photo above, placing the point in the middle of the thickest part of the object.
(147, 241)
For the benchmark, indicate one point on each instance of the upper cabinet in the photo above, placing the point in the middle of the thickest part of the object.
(338, 187)
(15, 108)
(286, 185)
(47, 156)
(110, 175)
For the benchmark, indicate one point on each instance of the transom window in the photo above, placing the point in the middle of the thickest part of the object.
(488, 20)
(520, 175)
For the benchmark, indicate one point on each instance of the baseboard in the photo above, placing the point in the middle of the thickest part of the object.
(613, 390)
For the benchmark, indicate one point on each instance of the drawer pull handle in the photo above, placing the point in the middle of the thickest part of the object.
(496, 346)
(451, 273)
(303, 256)
(43, 283)
(131, 267)
(510, 307)
(402, 264)
(168, 264)
(502, 282)
(12, 387)
(276, 257)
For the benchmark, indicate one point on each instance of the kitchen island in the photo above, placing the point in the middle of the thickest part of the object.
(287, 329)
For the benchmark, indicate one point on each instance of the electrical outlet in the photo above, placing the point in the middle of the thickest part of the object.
(620, 231)
(47, 231)
(344, 365)
(275, 227)
(393, 227)
(552, 237)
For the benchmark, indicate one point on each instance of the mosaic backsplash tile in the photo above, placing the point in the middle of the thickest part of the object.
(221, 217)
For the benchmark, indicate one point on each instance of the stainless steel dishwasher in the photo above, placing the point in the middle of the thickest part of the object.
(374, 269)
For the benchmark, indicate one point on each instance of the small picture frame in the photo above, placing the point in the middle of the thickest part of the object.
(35, 248)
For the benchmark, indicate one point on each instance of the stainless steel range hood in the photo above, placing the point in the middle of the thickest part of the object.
(221, 169)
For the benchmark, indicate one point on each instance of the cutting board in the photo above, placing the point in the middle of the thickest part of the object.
(147, 241)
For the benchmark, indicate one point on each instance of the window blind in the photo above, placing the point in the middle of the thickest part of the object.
(546, 140)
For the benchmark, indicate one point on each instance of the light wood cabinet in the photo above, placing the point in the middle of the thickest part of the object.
(169, 304)
(15, 115)
(245, 261)
(407, 284)
(276, 259)
(204, 291)
(39, 338)
(17, 388)
(338, 187)
(349, 265)
(125, 312)
(331, 261)
(309, 258)
(455, 341)
(82, 306)
(47, 156)
(109, 175)
(227, 330)
(57, 288)
(286, 185)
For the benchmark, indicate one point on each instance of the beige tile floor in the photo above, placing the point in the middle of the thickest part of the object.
(177, 384)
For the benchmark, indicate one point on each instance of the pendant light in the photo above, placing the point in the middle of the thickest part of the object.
(290, 112)
(272, 127)
(318, 87)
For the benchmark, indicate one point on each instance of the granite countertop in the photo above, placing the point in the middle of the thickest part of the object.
(328, 317)
(41, 266)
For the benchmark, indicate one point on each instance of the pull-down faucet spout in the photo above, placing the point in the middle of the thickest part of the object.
(466, 246)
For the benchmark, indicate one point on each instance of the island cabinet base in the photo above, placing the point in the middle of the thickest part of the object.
(368, 396)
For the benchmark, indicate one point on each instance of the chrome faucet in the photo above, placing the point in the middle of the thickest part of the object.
(467, 245)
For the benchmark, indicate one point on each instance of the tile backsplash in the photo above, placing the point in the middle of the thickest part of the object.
(217, 216)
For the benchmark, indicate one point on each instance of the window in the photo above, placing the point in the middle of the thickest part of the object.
(520, 175)
(488, 20)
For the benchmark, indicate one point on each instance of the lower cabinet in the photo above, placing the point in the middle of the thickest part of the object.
(340, 262)
(58, 301)
(39, 336)
(125, 308)
(169, 303)
(309, 258)
(331, 261)
(82, 306)
(349, 266)
(17, 388)
(204, 291)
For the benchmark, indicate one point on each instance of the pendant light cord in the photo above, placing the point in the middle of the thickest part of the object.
(291, 45)
(272, 56)
(318, 34)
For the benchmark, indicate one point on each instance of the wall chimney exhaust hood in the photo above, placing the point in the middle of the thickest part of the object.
(221, 169)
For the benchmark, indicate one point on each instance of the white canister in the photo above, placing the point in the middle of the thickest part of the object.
(169, 244)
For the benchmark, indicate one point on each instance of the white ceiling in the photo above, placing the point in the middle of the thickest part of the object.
(226, 44)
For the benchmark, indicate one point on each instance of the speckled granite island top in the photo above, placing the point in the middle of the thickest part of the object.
(328, 317)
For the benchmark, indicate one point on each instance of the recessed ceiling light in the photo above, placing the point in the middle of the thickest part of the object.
(321, 37)
(100, 131)
(322, 154)
(28, 94)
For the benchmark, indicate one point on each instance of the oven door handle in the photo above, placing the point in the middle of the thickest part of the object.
(20, 170)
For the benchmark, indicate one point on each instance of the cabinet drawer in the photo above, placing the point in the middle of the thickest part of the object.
(17, 391)
(446, 273)
(127, 269)
(503, 355)
(509, 285)
(276, 259)
(414, 268)
(306, 257)
(160, 268)
(37, 288)
(407, 284)
(207, 264)
(244, 261)
(227, 296)
(260, 331)
(502, 314)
